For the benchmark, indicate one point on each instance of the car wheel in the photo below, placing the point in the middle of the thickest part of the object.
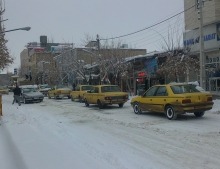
(137, 109)
(55, 97)
(170, 113)
(80, 99)
(100, 105)
(72, 99)
(199, 114)
(121, 105)
(86, 103)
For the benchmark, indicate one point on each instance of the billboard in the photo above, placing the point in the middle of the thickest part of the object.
(58, 48)
(36, 50)
(211, 38)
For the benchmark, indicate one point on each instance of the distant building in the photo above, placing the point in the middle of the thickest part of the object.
(68, 55)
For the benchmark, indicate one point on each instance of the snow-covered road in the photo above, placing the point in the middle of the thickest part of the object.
(61, 134)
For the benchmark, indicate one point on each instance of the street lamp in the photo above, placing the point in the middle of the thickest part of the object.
(24, 28)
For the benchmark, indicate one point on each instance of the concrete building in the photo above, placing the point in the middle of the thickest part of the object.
(64, 59)
(211, 29)
(211, 13)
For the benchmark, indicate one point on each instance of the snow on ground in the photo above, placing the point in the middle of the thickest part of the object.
(60, 134)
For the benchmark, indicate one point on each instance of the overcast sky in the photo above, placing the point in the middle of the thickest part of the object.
(69, 21)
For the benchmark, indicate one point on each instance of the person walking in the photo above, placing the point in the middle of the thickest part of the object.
(17, 93)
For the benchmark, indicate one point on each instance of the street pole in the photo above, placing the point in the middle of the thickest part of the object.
(202, 66)
(43, 74)
(98, 45)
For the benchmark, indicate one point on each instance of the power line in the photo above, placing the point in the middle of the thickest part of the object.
(151, 25)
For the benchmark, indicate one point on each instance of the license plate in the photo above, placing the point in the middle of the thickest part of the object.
(199, 107)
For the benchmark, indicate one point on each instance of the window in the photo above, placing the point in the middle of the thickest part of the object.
(151, 91)
(162, 91)
(111, 89)
(96, 90)
(86, 88)
(179, 89)
(197, 4)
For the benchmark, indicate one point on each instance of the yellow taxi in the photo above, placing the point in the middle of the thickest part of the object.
(105, 95)
(79, 92)
(173, 99)
(4, 90)
(59, 91)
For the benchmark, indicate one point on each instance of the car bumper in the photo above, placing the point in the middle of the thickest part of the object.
(62, 95)
(181, 109)
(34, 99)
(119, 101)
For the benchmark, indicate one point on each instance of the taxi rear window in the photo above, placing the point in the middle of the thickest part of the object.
(179, 89)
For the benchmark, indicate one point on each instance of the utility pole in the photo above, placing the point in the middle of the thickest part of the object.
(99, 56)
(201, 59)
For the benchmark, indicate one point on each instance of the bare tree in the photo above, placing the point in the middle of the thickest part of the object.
(176, 60)
(178, 63)
(5, 58)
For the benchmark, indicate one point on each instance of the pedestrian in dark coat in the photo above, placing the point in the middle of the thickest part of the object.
(17, 93)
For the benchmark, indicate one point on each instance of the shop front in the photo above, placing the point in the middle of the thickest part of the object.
(143, 82)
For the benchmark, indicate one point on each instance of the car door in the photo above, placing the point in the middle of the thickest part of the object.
(95, 93)
(89, 95)
(146, 103)
(51, 91)
(160, 99)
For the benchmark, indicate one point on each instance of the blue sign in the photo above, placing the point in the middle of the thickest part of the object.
(15, 71)
(208, 37)
(151, 65)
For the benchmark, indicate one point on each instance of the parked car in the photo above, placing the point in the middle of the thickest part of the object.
(105, 95)
(79, 92)
(4, 90)
(30, 93)
(173, 99)
(59, 91)
(44, 88)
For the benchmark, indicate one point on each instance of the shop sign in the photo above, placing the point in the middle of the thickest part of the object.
(191, 39)
(141, 74)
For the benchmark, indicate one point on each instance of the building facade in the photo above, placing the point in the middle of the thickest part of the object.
(65, 59)
(211, 31)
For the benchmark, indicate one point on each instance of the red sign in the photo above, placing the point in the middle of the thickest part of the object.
(36, 50)
(141, 74)
(39, 50)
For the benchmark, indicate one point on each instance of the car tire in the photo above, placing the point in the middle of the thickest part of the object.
(121, 105)
(55, 97)
(80, 99)
(100, 105)
(72, 99)
(25, 101)
(199, 114)
(137, 109)
(86, 103)
(170, 113)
